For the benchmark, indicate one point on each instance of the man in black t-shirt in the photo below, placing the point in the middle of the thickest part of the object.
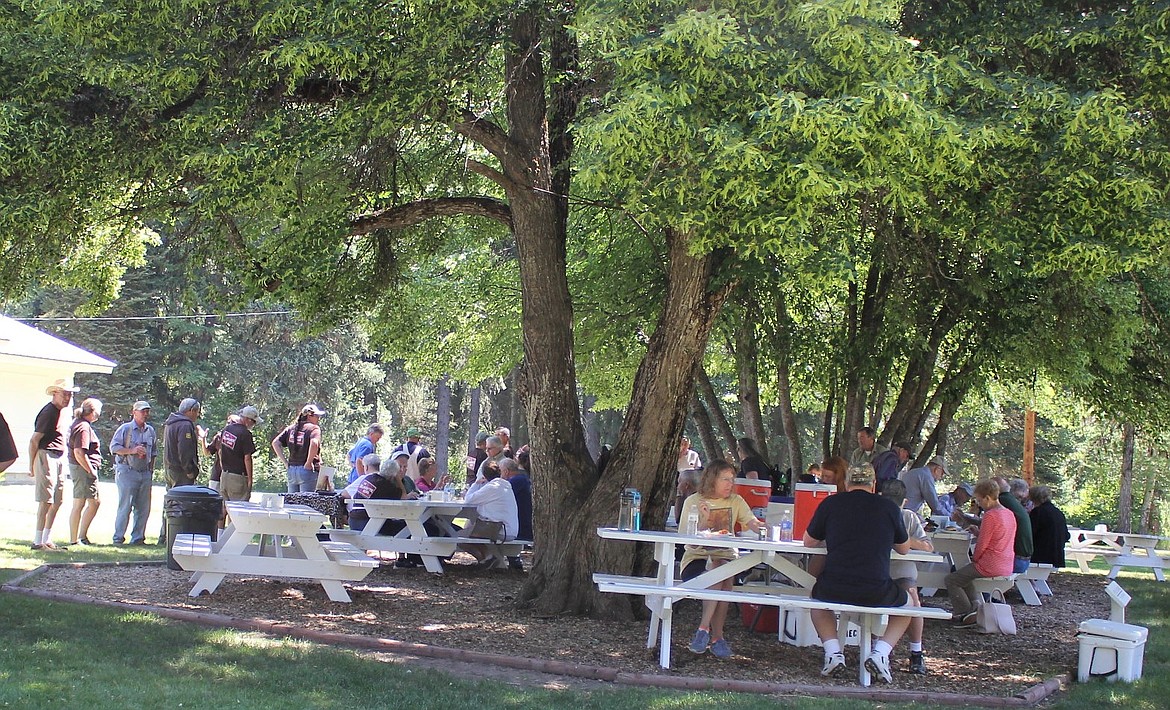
(48, 462)
(236, 446)
(859, 529)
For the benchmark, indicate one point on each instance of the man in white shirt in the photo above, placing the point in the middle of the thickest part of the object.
(499, 518)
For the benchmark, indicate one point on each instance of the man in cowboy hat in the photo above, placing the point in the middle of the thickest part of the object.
(49, 460)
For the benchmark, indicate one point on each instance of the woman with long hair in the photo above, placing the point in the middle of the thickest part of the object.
(302, 438)
(719, 509)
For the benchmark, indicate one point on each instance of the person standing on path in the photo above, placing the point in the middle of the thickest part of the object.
(85, 450)
(182, 440)
(48, 462)
(134, 446)
(236, 446)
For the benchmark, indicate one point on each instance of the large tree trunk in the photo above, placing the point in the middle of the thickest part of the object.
(569, 551)
(715, 409)
(1125, 495)
(781, 340)
(1148, 524)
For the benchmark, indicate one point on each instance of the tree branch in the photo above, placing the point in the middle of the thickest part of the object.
(484, 132)
(412, 213)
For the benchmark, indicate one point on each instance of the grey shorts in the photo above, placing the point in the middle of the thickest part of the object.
(49, 478)
(84, 485)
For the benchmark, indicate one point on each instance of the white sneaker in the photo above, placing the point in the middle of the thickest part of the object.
(833, 663)
(879, 665)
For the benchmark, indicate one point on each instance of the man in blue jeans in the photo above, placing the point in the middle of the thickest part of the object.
(134, 449)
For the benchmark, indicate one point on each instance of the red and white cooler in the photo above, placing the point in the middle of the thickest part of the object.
(808, 497)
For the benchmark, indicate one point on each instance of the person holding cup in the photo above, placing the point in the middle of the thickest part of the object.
(134, 448)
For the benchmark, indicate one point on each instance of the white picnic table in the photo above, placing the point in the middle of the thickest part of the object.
(661, 590)
(954, 545)
(414, 538)
(271, 542)
(1120, 549)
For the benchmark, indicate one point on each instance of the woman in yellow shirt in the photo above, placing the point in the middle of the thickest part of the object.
(719, 509)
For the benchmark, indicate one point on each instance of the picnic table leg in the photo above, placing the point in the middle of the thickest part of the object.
(335, 590)
(664, 647)
(309, 548)
(230, 544)
(1027, 591)
(864, 645)
(664, 555)
(1083, 561)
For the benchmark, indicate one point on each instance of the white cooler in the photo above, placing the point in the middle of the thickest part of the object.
(1110, 650)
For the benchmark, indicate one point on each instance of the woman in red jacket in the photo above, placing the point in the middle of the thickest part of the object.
(994, 554)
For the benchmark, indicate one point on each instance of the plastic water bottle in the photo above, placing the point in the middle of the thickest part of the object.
(692, 527)
(449, 492)
(786, 527)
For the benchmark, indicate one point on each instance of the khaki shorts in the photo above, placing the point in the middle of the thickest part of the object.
(49, 481)
(234, 486)
(84, 485)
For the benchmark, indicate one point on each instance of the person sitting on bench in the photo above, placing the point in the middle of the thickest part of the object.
(719, 509)
(859, 529)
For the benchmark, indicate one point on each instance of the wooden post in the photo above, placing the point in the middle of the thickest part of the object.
(1030, 446)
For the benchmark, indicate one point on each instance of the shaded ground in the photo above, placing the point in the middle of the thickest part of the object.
(470, 609)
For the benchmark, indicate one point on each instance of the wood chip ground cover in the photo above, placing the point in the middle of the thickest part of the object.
(474, 609)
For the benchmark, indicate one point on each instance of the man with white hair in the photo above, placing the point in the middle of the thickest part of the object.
(505, 436)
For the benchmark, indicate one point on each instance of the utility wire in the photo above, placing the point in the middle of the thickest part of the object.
(123, 318)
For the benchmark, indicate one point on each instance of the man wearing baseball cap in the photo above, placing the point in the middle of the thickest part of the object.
(859, 530)
(920, 486)
(236, 446)
(134, 446)
(48, 461)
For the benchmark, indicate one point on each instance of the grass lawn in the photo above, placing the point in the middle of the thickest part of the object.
(67, 655)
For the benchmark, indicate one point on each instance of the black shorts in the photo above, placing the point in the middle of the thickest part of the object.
(892, 595)
(694, 569)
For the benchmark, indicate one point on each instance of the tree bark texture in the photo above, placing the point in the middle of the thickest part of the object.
(781, 341)
(1125, 494)
(569, 551)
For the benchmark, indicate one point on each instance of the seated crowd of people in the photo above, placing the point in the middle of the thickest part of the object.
(498, 486)
(877, 510)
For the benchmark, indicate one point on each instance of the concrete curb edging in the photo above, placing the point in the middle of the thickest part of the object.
(1026, 698)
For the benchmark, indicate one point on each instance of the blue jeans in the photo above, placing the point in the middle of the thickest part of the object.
(301, 480)
(1020, 565)
(133, 494)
